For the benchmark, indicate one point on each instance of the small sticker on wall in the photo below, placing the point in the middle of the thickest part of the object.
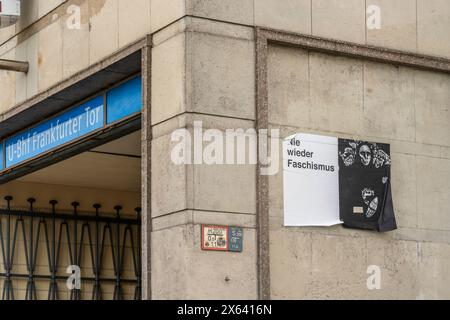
(235, 239)
(222, 238)
(358, 210)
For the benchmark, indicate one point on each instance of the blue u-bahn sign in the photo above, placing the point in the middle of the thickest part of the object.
(55, 132)
(114, 105)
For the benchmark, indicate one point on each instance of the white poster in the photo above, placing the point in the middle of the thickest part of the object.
(311, 180)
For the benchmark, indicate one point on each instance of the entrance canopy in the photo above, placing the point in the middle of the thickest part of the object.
(104, 106)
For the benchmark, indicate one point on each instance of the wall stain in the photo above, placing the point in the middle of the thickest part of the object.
(89, 8)
(40, 58)
(95, 6)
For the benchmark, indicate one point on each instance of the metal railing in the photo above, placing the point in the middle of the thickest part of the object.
(77, 236)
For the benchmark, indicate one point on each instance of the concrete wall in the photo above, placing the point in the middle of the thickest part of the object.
(335, 96)
(56, 52)
(204, 69)
(308, 92)
(192, 81)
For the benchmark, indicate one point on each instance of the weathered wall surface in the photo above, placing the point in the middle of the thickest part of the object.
(56, 52)
(204, 69)
(343, 97)
(193, 81)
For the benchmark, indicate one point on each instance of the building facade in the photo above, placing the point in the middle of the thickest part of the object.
(375, 70)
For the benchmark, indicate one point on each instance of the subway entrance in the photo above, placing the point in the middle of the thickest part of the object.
(71, 230)
(70, 198)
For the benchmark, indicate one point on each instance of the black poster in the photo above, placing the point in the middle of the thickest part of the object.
(365, 199)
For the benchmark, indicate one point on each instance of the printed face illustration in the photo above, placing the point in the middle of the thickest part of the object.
(370, 200)
(348, 156)
(381, 158)
(372, 208)
(365, 154)
(367, 195)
